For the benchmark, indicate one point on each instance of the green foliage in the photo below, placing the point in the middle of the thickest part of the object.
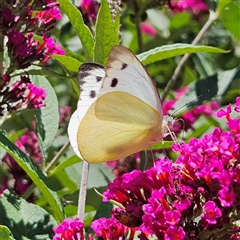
(173, 50)
(213, 66)
(25, 220)
(82, 30)
(106, 34)
(47, 118)
(35, 173)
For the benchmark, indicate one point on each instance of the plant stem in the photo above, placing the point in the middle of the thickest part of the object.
(83, 191)
(57, 157)
(47, 169)
(1, 55)
(212, 17)
(139, 34)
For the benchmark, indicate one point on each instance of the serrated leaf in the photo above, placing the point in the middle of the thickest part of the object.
(71, 64)
(47, 117)
(35, 173)
(106, 34)
(82, 30)
(24, 219)
(5, 233)
(216, 85)
(173, 50)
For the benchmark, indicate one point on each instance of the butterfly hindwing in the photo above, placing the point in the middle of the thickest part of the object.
(90, 76)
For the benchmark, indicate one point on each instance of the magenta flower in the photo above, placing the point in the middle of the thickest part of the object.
(227, 197)
(175, 233)
(89, 9)
(172, 217)
(148, 30)
(199, 192)
(20, 26)
(237, 107)
(20, 95)
(196, 7)
(212, 212)
(69, 229)
(110, 229)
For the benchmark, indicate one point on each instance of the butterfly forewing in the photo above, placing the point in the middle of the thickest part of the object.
(124, 72)
(90, 76)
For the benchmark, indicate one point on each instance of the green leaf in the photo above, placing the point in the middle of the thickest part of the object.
(231, 19)
(24, 219)
(47, 117)
(66, 163)
(106, 34)
(35, 173)
(5, 233)
(216, 85)
(222, 4)
(99, 174)
(82, 30)
(71, 64)
(173, 50)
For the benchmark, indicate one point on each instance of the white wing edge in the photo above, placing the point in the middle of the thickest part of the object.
(72, 132)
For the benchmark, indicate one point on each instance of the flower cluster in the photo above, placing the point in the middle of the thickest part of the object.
(69, 229)
(19, 21)
(197, 197)
(19, 95)
(196, 7)
(188, 119)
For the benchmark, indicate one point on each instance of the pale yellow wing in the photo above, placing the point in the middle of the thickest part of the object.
(117, 125)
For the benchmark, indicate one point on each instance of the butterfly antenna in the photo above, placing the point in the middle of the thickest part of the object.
(173, 135)
(187, 104)
(184, 130)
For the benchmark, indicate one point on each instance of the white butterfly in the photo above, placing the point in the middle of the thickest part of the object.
(119, 111)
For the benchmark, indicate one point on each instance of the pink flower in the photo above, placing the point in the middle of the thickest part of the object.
(20, 95)
(35, 96)
(110, 229)
(227, 197)
(195, 6)
(237, 106)
(204, 182)
(212, 212)
(148, 30)
(175, 233)
(69, 229)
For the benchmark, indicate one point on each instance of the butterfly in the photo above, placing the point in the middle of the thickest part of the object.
(119, 111)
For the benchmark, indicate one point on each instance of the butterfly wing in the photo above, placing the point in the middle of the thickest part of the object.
(124, 72)
(90, 77)
(127, 115)
(124, 124)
